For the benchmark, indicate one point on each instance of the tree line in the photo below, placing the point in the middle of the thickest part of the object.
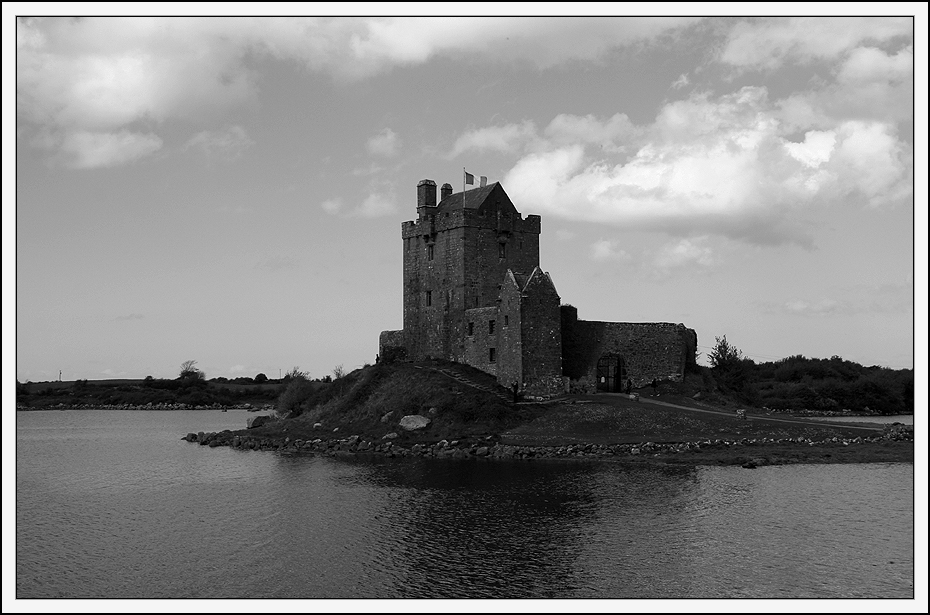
(801, 383)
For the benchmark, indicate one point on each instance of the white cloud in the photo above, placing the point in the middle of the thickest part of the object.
(236, 369)
(332, 206)
(613, 134)
(385, 143)
(685, 253)
(228, 143)
(376, 205)
(681, 82)
(815, 150)
(871, 161)
(869, 85)
(89, 150)
(607, 251)
(508, 138)
(100, 74)
(723, 166)
(541, 41)
(868, 64)
(768, 43)
(822, 307)
(884, 299)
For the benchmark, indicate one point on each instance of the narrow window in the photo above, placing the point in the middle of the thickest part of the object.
(506, 320)
(429, 252)
(490, 327)
(492, 355)
(429, 298)
(471, 328)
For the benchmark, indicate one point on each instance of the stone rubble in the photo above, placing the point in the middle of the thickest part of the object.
(489, 449)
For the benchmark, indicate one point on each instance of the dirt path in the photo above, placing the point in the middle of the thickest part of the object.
(749, 417)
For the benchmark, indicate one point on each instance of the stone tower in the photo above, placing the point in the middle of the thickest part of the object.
(474, 293)
(468, 263)
(455, 256)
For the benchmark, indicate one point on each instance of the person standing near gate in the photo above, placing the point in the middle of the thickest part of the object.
(655, 387)
(629, 386)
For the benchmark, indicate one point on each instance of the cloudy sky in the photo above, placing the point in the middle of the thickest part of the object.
(231, 190)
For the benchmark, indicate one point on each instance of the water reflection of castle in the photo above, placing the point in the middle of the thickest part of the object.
(534, 529)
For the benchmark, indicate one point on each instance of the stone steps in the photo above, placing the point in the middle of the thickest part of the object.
(462, 379)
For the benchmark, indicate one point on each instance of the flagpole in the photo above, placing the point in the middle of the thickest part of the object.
(464, 172)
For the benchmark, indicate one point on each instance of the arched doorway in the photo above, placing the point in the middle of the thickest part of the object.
(611, 373)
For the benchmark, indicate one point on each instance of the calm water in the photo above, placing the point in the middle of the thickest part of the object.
(113, 504)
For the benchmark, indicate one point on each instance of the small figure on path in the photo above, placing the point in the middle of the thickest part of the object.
(629, 386)
(515, 388)
(655, 387)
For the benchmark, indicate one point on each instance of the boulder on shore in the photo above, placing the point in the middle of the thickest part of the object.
(257, 421)
(412, 422)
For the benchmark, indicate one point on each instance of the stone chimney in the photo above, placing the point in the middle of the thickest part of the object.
(426, 193)
(444, 192)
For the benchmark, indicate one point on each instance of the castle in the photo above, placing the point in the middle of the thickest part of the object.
(474, 293)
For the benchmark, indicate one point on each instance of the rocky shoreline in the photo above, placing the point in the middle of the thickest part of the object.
(148, 406)
(748, 452)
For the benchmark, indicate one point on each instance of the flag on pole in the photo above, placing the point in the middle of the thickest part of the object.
(469, 178)
(483, 181)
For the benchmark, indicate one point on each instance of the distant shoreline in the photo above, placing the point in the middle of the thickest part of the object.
(162, 407)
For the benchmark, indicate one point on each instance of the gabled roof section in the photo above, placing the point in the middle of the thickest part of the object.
(520, 278)
(478, 198)
(540, 277)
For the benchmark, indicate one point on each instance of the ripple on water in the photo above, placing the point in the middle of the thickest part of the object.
(111, 514)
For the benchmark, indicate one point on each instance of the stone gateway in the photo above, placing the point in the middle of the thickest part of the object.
(474, 293)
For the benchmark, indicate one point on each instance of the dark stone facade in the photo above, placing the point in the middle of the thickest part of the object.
(647, 350)
(474, 293)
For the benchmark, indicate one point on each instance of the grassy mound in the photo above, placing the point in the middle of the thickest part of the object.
(372, 400)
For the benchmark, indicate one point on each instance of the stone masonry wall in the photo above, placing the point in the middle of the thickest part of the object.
(650, 350)
(509, 336)
(391, 346)
(454, 261)
(542, 336)
(479, 344)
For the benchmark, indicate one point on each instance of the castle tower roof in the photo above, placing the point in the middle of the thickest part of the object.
(476, 197)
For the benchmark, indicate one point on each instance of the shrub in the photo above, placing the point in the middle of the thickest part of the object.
(189, 372)
(293, 401)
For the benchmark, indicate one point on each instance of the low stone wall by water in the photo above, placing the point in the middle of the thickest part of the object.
(489, 448)
(148, 406)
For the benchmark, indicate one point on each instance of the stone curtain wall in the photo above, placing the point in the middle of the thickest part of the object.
(651, 350)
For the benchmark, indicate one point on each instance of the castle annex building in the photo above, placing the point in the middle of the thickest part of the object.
(474, 293)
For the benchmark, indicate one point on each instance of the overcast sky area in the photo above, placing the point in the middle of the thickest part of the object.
(231, 190)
